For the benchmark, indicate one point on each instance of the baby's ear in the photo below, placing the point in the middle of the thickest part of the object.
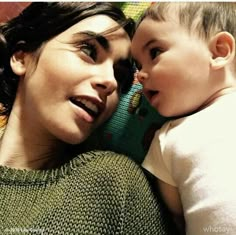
(222, 47)
(18, 63)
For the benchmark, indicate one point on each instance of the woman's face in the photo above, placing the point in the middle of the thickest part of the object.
(73, 89)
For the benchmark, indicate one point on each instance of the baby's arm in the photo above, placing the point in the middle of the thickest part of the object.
(171, 197)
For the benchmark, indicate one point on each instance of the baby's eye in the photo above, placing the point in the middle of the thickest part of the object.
(89, 50)
(154, 52)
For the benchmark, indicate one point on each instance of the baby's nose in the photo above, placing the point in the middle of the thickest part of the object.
(142, 76)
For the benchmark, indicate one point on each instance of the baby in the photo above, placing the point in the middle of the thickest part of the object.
(185, 53)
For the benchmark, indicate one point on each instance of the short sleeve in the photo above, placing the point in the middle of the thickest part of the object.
(156, 161)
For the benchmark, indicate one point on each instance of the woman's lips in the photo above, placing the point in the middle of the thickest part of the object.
(91, 106)
(87, 105)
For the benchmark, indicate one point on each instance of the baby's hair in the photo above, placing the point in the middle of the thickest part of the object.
(202, 18)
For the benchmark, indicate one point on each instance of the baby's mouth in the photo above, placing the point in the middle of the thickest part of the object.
(150, 94)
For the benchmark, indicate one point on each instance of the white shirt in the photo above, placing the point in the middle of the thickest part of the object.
(197, 154)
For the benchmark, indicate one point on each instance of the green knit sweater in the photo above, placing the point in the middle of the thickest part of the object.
(95, 193)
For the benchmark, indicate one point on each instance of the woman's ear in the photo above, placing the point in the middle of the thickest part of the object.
(18, 63)
(222, 47)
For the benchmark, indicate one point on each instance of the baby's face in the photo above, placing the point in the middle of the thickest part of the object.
(174, 67)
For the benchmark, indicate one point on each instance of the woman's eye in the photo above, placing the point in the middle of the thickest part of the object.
(154, 52)
(89, 50)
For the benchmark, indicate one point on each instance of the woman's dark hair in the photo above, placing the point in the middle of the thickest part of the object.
(37, 24)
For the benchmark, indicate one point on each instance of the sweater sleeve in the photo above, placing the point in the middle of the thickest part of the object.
(144, 213)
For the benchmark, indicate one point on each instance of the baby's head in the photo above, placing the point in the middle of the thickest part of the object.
(185, 54)
(202, 18)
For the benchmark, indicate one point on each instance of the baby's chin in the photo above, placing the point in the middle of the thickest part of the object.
(171, 112)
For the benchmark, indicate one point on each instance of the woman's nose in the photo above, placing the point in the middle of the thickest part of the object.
(106, 86)
(106, 82)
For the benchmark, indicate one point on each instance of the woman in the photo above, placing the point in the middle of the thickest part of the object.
(62, 69)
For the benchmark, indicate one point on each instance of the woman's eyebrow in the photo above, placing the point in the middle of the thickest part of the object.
(89, 35)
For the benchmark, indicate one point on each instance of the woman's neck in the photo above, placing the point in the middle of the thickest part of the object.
(24, 147)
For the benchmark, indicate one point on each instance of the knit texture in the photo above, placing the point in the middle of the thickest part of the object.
(95, 193)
